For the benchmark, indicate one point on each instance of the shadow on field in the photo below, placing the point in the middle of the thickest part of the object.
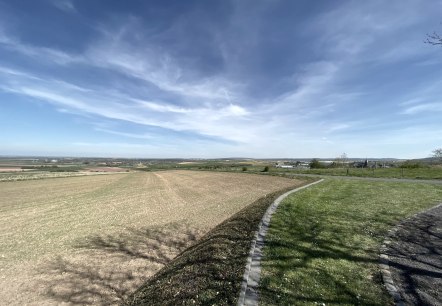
(109, 267)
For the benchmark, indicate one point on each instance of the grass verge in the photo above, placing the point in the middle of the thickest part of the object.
(323, 243)
(428, 173)
(210, 272)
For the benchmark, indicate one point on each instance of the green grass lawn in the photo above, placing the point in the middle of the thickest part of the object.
(430, 172)
(323, 244)
(416, 173)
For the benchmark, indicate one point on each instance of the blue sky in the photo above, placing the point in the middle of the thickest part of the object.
(220, 78)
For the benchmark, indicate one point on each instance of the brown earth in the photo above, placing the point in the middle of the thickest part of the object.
(95, 239)
(106, 169)
(13, 169)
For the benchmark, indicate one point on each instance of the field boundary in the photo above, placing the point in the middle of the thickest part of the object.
(249, 286)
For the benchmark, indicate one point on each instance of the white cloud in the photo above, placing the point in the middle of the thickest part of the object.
(129, 135)
(161, 107)
(311, 85)
(338, 127)
(235, 110)
(226, 122)
(353, 28)
(425, 98)
(212, 106)
(112, 51)
(427, 107)
(65, 5)
(38, 53)
(153, 65)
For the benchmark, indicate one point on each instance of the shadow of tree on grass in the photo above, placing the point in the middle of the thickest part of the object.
(307, 242)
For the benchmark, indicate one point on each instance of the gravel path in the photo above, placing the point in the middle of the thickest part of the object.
(413, 253)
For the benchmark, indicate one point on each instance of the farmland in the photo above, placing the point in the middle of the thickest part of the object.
(94, 239)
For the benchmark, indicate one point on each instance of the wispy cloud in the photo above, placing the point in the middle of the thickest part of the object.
(226, 122)
(115, 52)
(311, 85)
(65, 5)
(129, 135)
(38, 53)
(427, 107)
(156, 68)
(355, 29)
(425, 99)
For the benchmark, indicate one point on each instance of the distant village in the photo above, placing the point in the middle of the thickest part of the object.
(335, 164)
(288, 163)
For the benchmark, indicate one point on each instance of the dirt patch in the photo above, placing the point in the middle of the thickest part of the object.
(106, 169)
(13, 169)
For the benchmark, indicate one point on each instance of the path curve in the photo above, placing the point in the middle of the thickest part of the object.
(249, 287)
(410, 259)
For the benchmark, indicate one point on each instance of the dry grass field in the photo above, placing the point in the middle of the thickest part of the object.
(94, 239)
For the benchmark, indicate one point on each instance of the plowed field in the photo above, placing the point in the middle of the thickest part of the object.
(94, 239)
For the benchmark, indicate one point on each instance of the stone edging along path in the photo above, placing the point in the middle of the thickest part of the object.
(249, 287)
(385, 270)
(385, 260)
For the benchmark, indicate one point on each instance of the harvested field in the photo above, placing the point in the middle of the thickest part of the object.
(95, 239)
(12, 169)
(29, 174)
(106, 169)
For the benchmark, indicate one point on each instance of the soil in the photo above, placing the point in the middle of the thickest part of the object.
(106, 169)
(92, 240)
(13, 169)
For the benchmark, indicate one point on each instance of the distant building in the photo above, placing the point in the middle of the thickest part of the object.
(361, 164)
(282, 165)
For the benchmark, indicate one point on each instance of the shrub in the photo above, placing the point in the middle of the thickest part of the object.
(411, 165)
(315, 164)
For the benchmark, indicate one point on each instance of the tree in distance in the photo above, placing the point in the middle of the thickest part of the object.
(341, 161)
(434, 39)
(315, 164)
(437, 153)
